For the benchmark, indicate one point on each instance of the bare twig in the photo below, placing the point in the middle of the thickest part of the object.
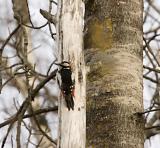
(35, 27)
(156, 126)
(51, 18)
(5, 138)
(9, 37)
(148, 111)
(40, 129)
(40, 85)
(150, 79)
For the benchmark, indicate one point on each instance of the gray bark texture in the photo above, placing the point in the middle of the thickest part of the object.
(113, 53)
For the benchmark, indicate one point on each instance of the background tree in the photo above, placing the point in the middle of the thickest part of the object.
(113, 45)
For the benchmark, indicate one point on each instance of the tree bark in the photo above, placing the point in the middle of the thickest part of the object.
(70, 46)
(113, 51)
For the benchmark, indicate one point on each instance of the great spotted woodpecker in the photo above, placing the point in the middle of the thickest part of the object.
(67, 84)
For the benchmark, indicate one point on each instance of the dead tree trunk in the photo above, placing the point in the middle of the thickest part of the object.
(70, 46)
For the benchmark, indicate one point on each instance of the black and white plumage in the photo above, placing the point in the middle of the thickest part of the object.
(67, 84)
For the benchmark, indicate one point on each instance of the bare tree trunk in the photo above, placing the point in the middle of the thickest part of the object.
(70, 29)
(113, 44)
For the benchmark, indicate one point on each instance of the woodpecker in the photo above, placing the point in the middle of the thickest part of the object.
(67, 84)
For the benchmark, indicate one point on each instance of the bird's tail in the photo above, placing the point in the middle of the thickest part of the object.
(69, 101)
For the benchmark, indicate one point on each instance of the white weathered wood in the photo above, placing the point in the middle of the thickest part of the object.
(72, 124)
